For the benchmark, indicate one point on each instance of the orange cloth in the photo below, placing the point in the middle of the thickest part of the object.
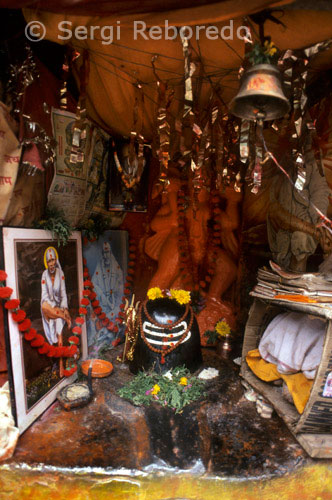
(298, 385)
(117, 67)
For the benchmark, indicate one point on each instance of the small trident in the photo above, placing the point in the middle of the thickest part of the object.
(130, 311)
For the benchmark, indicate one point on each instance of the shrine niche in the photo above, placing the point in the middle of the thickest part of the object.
(197, 172)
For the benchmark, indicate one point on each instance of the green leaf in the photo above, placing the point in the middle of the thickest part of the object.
(176, 395)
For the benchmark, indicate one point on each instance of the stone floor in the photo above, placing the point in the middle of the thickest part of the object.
(218, 448)
(222, 435)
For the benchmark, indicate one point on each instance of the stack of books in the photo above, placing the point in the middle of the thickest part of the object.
(276, 283)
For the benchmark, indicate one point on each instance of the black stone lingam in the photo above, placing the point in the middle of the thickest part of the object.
(168, 337)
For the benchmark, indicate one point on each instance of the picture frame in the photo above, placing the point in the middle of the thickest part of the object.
(34, 378)
(108, 275)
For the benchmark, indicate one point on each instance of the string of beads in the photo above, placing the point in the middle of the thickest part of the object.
(164, 351)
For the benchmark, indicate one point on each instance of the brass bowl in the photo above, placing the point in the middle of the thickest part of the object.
(100, 367)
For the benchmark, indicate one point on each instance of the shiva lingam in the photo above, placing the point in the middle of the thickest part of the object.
(167, 336)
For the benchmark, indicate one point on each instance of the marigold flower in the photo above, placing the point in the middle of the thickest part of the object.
(30, 335)
(38, 341)
(5, 292)
(19, 316)
(72, 350)
(85, 302)
(25, 325)
(51, 352)
(222, 328)
(155, 389)
(70, 371)
(269, 48)
(77, 330)
(183, 381)
(181, 296)
(73, 339)
(12, 304)
(44, 348)
(82, 310)
(3, 275)
(155, 293)
(88, 283)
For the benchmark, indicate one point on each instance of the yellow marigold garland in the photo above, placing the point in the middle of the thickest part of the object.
(155, 293)
(181, 296)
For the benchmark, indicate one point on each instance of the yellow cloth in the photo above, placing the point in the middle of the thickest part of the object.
(298, 385)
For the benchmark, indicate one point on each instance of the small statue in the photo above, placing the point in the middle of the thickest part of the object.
(292, 221)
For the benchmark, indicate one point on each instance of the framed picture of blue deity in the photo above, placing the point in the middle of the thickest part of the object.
(106, 259)
(40, 317)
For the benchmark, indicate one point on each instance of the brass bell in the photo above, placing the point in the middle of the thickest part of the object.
(260, 96)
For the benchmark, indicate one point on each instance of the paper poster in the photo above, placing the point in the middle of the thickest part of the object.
(68, 188)
(10, 153)
(98, 173)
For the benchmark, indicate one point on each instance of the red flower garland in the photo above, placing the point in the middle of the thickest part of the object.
(5, 292)
(186, 264)
(111, 325)
(89, 297)
(37, 340)
(19, 316)
(3, 275)
(12, 304)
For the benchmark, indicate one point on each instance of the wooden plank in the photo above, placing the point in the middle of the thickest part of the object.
(316, 445)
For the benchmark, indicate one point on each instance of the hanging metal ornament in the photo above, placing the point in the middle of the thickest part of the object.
(164, 101)
(256, 173)
(294, 65)
(301, 171)
(188, 126)
(244, 141)
(32, 135)
(261, 96)
(218, 141)
(80, 126)
(238, 183)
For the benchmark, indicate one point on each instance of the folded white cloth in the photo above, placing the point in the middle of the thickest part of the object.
(8, 432)
(294, 342)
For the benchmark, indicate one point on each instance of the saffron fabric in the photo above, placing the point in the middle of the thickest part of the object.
(298, 385)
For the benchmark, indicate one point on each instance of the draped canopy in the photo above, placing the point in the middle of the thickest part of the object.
(121, 71)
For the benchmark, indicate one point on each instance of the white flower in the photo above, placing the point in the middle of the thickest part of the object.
(208, 373)
(168, 375)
